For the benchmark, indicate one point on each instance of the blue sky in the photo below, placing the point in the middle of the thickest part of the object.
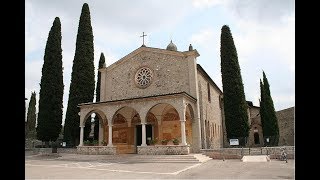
(263, 32)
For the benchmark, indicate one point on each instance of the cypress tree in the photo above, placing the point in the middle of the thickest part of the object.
(265, 127)
(235, 105)
(96, 118)
(82, 77)
(269, 119)
(51, 87)
(31, 116)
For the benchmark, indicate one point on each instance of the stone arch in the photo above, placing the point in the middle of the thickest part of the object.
(189, 116)
(101, 125)
(127, 112)
(165, 120)
(123, 133)
(98, 112)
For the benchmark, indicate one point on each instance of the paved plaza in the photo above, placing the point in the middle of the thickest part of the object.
(133, 166)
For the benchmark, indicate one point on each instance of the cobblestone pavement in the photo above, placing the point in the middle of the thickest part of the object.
(75, 166)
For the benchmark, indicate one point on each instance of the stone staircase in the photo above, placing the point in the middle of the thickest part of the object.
(191, 158)
(201, 157)
(136, 158)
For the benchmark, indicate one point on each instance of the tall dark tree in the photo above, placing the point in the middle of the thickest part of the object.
(51, 87)
(82, 77)
(31, 116)
(267, 113)
(96, 118)
(262, 109)
(235, 105)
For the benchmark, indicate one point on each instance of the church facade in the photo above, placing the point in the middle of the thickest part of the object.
(157, 95)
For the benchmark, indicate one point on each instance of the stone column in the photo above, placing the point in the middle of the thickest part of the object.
(182, 115)
(183, 132)
(110, 135)
(100, 132)
(81, 135)
(143, 134)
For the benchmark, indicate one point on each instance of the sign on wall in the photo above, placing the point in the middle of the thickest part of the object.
(234, 142)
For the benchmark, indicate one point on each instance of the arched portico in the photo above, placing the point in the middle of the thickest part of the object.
(131, 123)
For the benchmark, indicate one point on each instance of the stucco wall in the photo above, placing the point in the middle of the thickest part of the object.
(170, 74)
(211, 116)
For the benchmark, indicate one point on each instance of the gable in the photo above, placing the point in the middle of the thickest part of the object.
(169, 74)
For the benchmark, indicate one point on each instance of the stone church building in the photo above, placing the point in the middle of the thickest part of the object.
(156, 94)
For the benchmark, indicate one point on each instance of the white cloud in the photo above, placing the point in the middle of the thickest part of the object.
(207, 3)
(283, 101)
(254, 37)
(203, 37)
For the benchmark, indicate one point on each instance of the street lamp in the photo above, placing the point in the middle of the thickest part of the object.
(25, 112)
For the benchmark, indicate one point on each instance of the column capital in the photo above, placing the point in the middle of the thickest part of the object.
(81, 126)
(143, 123)
(182, 120)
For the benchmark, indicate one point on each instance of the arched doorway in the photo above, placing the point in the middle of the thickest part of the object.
(256, 138)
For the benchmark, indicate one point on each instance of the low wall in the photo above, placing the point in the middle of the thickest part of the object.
(49, 150)
(97, 150)
(164, 150)
(237, 153)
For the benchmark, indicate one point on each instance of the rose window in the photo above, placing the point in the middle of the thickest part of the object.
(143, 77)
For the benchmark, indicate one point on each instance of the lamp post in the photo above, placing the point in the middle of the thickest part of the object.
(25, 117)
(25, 112)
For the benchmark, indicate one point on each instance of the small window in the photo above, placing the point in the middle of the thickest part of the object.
(209, 96)
(220, 102)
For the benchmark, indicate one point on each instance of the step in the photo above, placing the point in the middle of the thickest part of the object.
(256, 158)
(201, 157)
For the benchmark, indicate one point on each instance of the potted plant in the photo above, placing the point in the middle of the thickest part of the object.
(95, 142)
(87, 143)
(175, 141)
(164, 141)
(153, 141)
(104, 143)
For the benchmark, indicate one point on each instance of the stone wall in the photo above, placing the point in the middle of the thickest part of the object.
(170, 74)
(164, 150)
(237, 153)
(210, 113)
(96, 150)
(286, 126)
(49, 150)
(255, 127)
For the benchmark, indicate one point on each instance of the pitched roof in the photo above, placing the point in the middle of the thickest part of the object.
(203, 72)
